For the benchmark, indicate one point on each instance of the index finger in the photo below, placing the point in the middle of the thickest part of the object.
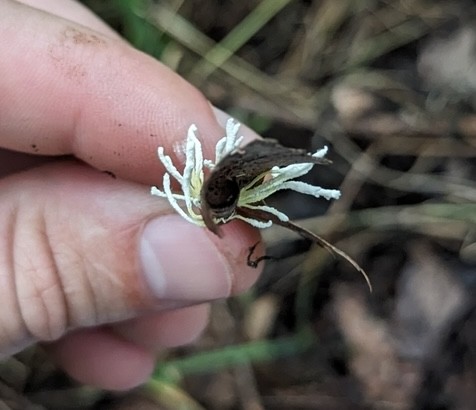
(66, 89)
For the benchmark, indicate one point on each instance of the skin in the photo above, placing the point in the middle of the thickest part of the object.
(90, 264)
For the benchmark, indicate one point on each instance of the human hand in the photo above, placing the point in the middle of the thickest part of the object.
(94, 265)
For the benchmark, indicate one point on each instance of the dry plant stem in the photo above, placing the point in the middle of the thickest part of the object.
(353, 181)
(440, 220)
(287, 99)
(375, 358)
(248, 27)
(424, 146)
(184, 33)
(246, 388)
(321, 22)
(405, 181)
(312, 56)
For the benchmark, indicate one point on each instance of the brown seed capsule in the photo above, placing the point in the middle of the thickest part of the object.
(221, 190)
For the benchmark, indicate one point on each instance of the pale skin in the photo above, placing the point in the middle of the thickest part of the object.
(91, 264)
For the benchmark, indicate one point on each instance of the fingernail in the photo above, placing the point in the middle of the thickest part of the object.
(180, 262)
(222, 118)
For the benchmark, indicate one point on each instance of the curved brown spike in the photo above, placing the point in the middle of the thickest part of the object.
(266, 216)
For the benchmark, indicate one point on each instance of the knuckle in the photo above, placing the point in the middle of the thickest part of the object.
(54, 277)
(39, 291)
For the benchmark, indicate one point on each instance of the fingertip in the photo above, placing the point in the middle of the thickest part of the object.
(222, 118)
(180, 263)
(100, 358)
(238, 238)
(166, 329)
(187, 264)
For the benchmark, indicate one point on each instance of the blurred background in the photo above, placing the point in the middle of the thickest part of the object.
(390, 87)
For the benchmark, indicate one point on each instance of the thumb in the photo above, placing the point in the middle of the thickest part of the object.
(84, 249)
